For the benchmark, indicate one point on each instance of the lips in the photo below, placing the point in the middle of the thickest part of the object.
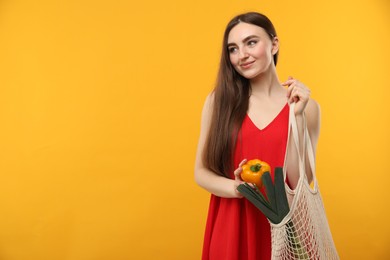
(246, 64)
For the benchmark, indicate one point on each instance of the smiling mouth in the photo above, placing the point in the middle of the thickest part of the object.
(247, 64)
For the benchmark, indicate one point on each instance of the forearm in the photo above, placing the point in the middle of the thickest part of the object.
(292, 156)
(216, 184)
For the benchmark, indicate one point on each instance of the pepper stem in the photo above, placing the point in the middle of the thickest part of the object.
(255, 167)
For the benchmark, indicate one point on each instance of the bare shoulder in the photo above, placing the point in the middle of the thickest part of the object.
(313, 116)
(208, 106)
(312, 108)
(209, 102)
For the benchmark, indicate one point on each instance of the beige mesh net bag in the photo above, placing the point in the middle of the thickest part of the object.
(304, 232)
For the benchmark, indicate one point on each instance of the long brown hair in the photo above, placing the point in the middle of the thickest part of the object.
(231, 100)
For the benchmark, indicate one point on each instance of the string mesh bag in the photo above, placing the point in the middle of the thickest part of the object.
(304, 232)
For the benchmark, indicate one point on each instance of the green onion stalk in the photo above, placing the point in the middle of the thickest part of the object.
(275, 207)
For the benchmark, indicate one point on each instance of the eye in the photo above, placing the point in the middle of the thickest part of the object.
(252, 43)
(232, 49)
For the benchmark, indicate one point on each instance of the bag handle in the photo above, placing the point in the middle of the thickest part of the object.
(307, 147)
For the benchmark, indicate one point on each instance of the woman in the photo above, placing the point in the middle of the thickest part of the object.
(246, 117)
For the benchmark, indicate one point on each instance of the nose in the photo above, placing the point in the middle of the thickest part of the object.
(243, 54)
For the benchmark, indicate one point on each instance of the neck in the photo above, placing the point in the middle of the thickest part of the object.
(266, 84)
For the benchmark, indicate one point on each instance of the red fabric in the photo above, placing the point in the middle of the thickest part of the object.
(235, 229)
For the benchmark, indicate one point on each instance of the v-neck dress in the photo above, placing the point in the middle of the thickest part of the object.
(235, 229)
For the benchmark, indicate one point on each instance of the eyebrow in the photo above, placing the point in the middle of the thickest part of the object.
(245, 40)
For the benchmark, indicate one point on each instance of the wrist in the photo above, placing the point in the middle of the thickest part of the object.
(236, 194)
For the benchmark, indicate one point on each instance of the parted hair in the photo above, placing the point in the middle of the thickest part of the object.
(230, 101)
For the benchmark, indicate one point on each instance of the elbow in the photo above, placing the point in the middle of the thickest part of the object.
(201, 176)
(197, 177)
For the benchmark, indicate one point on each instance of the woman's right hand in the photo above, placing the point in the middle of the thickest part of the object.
(237, 178)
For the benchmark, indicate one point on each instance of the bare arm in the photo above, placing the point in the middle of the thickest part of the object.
(209, 180)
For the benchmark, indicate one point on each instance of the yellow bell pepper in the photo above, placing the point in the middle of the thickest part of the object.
(253, 170)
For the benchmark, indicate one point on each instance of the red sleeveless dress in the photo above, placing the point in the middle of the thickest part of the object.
(235, 229)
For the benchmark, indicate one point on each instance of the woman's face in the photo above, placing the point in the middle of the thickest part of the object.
(251, 50)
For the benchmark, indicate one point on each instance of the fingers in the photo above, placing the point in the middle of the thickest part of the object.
(296, 91)
(289, 81)
(237, 172)
(290, 90)
(242, 163)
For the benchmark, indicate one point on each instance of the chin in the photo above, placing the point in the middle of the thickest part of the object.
(250, 75)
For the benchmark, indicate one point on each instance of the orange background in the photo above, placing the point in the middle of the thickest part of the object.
(100, 107)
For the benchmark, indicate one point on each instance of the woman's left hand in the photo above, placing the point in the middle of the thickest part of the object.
(297, 92)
